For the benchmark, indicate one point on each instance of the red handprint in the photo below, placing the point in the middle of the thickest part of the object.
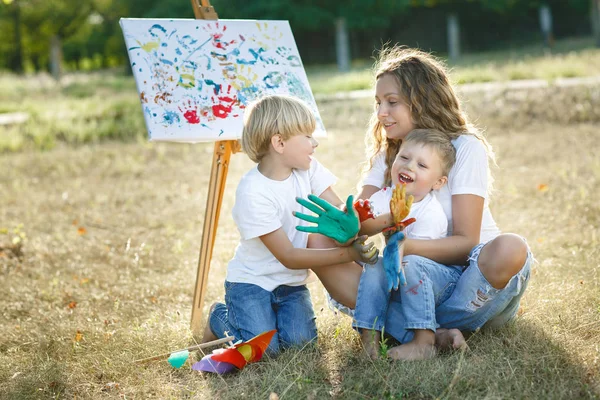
(190, 112)
(223, 104)
(217, 35)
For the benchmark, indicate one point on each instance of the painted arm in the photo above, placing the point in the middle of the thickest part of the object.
(301, 258)
(467, 213)
(373, 226)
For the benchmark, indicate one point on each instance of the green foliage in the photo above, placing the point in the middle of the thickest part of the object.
(89, 29)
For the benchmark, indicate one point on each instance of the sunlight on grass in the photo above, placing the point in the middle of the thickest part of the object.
(100, 234)
(111, 236)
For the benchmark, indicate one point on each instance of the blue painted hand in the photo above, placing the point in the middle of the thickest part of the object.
(392, 263)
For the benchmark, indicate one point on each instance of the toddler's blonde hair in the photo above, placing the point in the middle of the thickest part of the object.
(274, 115)
(438, 141)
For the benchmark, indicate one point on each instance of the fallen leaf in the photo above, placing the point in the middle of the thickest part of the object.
(542, 187)
(78, 336)
(110, 386)
(81, 230)
(72, 305)
(83, 281)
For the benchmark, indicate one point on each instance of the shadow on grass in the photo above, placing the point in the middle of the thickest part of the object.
(516, 361)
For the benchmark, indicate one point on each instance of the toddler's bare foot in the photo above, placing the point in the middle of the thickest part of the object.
(412, 351)
(370, 341)
(208, 336)
(450, 339)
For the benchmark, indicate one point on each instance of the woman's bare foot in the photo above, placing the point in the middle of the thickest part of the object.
(412, 351)
(208, 336)
(450, 339)
(370, 340)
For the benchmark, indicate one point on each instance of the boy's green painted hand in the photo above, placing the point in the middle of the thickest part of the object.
(341, 226)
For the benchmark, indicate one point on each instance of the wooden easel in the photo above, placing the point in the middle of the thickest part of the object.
(216, 187)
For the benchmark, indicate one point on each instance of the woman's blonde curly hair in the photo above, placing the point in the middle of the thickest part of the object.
(425, 88)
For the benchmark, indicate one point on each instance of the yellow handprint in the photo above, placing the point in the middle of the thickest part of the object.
(400, 208)
(400, 204)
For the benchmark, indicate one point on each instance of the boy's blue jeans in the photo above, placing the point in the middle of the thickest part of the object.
(250, 310)
(435, 296)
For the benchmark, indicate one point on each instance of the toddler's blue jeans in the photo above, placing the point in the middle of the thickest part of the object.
(436, 296)
(250, 310)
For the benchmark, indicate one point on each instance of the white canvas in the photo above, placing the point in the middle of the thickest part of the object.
(195, 77)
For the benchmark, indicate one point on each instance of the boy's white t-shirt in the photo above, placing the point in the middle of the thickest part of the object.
(263, 205)
(431, 221)
(468, 176)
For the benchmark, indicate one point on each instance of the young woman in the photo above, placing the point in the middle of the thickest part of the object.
(413, 92)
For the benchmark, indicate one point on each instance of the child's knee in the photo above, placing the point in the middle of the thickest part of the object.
(318, 241)
(415, 268)
(218, 321)
(299, 336)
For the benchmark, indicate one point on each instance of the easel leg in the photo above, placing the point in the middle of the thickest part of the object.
(216, 188)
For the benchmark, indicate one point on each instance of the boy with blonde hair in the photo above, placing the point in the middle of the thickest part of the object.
(265, 287)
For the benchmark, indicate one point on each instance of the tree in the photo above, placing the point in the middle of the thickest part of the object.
(49, 21)
(595, 16)
(15, 62)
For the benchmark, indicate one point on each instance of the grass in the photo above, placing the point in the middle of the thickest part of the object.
(569, 58)
(99, 246)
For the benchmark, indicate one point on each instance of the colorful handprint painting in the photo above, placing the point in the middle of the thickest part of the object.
(195, 77)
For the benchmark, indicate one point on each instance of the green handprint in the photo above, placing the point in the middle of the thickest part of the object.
(332, 222)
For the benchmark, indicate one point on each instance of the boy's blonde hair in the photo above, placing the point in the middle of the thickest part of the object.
(425, 87)
(438, 141)
(274, 115)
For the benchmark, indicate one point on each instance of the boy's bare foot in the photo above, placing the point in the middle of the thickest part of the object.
(450, 339)
(422, 347)
(208, 336)
(370, 340)
(412, 351)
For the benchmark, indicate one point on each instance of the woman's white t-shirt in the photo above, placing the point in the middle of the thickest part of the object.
(262, 206)
(468, 176)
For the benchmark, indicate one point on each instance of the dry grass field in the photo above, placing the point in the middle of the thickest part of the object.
(99, 245)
